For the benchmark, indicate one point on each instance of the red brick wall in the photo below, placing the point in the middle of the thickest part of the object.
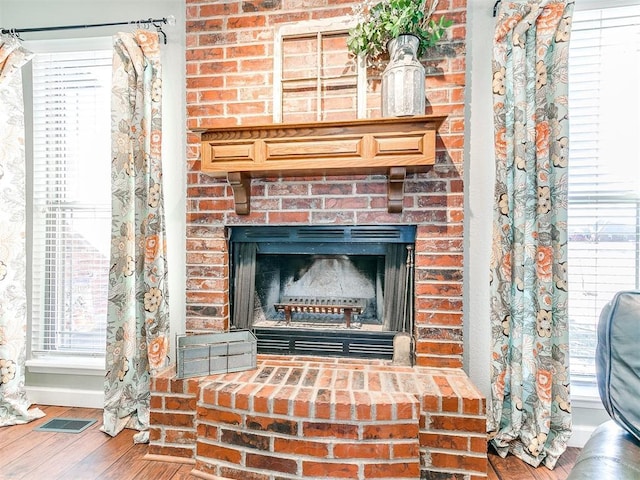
(229, 82)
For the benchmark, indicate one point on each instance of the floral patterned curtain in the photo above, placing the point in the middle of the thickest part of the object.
(529, 412)
(14, 406)
(138, 312)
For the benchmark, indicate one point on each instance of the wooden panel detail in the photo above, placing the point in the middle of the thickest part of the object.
(418, 144)
(313, 148)
(352, 147)
(228, 154)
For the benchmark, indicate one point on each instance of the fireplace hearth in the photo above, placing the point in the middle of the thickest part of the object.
(315, 417)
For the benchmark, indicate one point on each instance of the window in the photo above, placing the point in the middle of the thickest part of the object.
(604, 171)
(71, 219)
(315, 77)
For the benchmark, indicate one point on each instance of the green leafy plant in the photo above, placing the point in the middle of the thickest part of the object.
(379, 22)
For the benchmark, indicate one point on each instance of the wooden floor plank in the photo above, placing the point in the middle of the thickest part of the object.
(24, 459)
(511, 468)
(543, 473)
(100, 460)
(184, 473)
(14, 432)
(57, 464)
(23, 447)
(158, 471)
(491, 472)
(128, 465)
(94, 455)
(567, 460)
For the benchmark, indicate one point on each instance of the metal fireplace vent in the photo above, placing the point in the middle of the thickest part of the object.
(338, 234)
(324, 343)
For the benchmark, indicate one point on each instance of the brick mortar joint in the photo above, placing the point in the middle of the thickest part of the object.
(298, 457)
(163, 394)
(179, 412)
(397, 398)
(311, 418)
(176, 445)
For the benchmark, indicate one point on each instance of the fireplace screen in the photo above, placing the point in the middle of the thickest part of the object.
(340, 281)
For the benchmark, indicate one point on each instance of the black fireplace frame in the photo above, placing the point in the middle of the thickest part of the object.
(321, 240)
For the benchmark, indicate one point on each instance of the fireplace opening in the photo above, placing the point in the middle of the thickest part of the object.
(327, 291)
(323, 290)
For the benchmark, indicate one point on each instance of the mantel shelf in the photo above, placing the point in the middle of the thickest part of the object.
(383, 145)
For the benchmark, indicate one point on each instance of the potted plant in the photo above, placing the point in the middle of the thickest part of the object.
(380, 22)
(404, 29)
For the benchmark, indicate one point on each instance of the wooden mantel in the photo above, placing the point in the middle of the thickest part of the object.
(383, 145)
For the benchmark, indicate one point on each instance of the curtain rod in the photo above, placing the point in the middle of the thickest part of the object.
(495, 7)
(156, 22)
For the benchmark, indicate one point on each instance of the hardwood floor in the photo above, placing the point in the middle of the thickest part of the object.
(91, 455)
(512, 468)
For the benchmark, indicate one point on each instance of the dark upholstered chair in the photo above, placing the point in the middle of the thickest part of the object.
(610, 453)
(613, 450)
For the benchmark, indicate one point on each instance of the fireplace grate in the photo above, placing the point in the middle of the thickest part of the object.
(325, 343)
(321, 306)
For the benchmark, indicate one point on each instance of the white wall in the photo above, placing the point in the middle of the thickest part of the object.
(478, 181)
(84, 387)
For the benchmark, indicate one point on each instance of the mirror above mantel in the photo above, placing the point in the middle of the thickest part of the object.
(391, 146)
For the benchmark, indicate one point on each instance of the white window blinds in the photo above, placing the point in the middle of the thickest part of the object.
(604, 170)
(71, 201)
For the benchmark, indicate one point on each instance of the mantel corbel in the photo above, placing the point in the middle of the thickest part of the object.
(240, 184)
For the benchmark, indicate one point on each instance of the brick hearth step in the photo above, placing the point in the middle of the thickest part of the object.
(322, 418)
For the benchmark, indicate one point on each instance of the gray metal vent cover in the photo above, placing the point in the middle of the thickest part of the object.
(65, 425)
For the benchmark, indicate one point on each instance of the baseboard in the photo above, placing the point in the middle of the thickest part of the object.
(65, 397)
(580, 434)
(169, 458)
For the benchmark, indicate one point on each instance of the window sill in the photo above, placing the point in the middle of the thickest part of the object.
(67, 365)
(586, 395)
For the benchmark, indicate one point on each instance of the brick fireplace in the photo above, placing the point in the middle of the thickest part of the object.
(320, 417)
